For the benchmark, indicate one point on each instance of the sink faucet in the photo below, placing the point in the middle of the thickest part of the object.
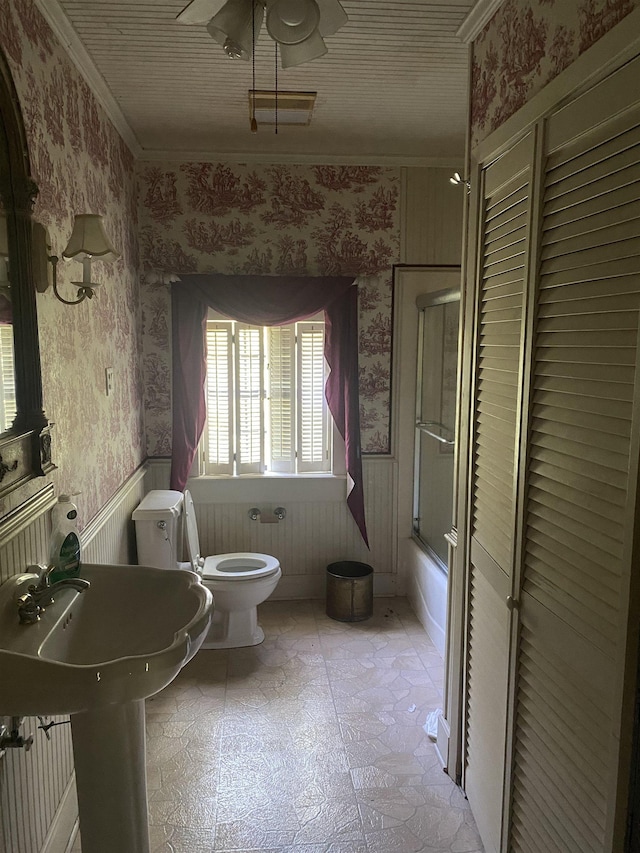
(40, 595)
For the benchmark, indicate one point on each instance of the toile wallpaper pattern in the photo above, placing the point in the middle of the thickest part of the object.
(270, 220)
(309, 220)
(525, 45)
(80, 165)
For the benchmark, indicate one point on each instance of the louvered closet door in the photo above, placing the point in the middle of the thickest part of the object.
(573, 601)
(503, 250)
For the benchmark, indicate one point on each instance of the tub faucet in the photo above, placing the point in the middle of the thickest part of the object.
(40, 595)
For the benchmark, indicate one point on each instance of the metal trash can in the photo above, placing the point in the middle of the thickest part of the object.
(349, 591)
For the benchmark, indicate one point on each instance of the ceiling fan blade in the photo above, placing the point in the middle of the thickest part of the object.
(332, 17)
(199, 11)
(236, 26)
(297, 54)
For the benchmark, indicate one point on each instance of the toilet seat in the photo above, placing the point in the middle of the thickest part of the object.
(238, 566)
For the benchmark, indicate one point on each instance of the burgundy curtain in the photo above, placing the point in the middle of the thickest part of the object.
(265, 301)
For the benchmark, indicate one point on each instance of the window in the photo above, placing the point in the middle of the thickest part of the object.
(7, 379)
(266, 409)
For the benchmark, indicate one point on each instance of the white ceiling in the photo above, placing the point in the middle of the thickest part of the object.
(391, 89)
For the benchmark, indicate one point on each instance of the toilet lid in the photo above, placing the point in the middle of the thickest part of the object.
(241, 565)
(191, 533)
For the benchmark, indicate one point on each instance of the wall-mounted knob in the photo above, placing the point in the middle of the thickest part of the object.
(254, 513)
(280, 512)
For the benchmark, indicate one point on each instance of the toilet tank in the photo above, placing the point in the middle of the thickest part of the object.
(158, 521)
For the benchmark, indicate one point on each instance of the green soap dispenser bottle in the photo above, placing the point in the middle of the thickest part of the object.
(64, 553)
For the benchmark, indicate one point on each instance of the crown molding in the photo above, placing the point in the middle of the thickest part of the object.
(319, 159)
(68, 38)
(477, 19)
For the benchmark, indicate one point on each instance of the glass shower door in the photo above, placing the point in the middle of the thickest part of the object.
(435, 420)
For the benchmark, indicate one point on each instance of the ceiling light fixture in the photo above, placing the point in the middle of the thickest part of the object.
(297, 26)
(293, 108)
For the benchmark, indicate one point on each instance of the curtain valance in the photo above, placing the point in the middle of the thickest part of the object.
(266, 301)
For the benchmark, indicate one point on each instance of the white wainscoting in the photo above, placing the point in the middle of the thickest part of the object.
(110, 535)
(32, 784)
(38, 807)
(317, 530)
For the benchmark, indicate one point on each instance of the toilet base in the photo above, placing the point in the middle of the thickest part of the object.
(233, 630)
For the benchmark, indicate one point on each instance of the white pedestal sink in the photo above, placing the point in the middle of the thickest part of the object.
(97, 655)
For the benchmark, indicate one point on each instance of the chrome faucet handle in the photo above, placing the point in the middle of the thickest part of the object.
(44, 576)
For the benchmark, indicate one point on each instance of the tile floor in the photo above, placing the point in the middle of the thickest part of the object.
(312, 742)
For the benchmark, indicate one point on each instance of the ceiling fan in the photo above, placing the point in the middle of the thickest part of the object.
(298, 26)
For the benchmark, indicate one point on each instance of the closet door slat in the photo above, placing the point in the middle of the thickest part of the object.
(503, 263)
(577, 485)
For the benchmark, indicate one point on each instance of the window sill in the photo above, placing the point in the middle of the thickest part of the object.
(268, 488)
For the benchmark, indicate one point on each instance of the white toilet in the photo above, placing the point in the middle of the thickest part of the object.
(238, 582)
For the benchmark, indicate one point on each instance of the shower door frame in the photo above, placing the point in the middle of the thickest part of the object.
(409, 282)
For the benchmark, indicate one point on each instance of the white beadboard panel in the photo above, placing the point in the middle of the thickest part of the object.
(65, 822)
(36, 787)
(32, 785)
(29, 546)
(25, 513)
(313, 534)
(110, 536)
(431, 217)
(157, 475)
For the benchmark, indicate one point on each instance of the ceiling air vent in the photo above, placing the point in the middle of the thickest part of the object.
(294, 108)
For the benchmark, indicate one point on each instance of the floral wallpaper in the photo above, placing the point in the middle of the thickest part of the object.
(525, 45)
(81, 165)
(271, 220)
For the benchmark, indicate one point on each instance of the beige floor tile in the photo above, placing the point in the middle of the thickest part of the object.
(312, 742)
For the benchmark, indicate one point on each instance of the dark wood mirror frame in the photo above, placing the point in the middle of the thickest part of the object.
(25, 449)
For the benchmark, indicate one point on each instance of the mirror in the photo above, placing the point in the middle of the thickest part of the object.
(25, 440)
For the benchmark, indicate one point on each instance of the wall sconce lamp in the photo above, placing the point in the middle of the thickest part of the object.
(88, 243)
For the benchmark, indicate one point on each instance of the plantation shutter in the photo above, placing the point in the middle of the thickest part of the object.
(573, 600)
(503, 257)
(7, 378)
(282, 398)
(249, 399)
(312, 410)
(219, 399)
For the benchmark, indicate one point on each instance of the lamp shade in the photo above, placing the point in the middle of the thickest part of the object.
(88, 239)
(292, 21)
(236, 25)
